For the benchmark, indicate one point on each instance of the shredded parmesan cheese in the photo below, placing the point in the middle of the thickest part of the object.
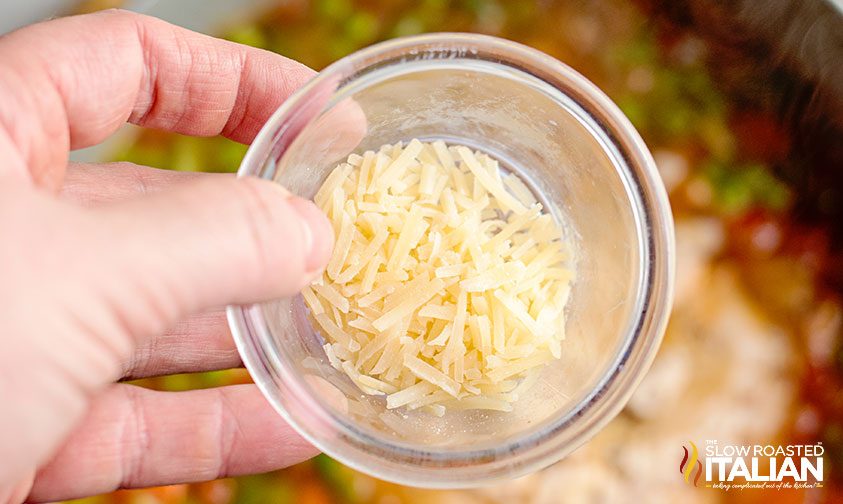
(448, 282)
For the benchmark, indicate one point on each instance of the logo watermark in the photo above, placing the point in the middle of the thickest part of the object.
(691, 465)
(739, 467)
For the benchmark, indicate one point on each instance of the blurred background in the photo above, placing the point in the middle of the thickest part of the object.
(741, 103)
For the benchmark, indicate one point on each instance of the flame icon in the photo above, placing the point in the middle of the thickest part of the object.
(689, 463)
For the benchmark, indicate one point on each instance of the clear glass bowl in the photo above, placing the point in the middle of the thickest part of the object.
(588, 166)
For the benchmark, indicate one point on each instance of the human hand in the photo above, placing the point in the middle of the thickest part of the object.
(99, 263)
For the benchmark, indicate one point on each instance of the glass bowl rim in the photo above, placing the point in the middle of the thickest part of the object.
(627, 368)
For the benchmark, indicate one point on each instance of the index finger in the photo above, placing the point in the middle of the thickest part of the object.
(71, 82)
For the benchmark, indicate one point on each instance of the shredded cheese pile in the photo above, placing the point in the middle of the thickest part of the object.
(447, 284)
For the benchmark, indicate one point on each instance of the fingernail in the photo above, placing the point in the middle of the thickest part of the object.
(318, 234)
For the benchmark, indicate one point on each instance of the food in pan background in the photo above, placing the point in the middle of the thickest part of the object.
(752, 353)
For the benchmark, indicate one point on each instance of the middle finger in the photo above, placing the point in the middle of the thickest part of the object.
(202, 342)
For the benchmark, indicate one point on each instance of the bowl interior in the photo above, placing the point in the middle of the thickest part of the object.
(533, 129)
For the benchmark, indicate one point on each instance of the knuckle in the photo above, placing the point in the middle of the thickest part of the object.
(227, 434)
(136, 437)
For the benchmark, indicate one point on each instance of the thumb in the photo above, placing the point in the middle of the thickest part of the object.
(210, 242)
(80, 287)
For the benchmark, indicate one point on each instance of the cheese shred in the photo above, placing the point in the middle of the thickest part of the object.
(448, 282)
